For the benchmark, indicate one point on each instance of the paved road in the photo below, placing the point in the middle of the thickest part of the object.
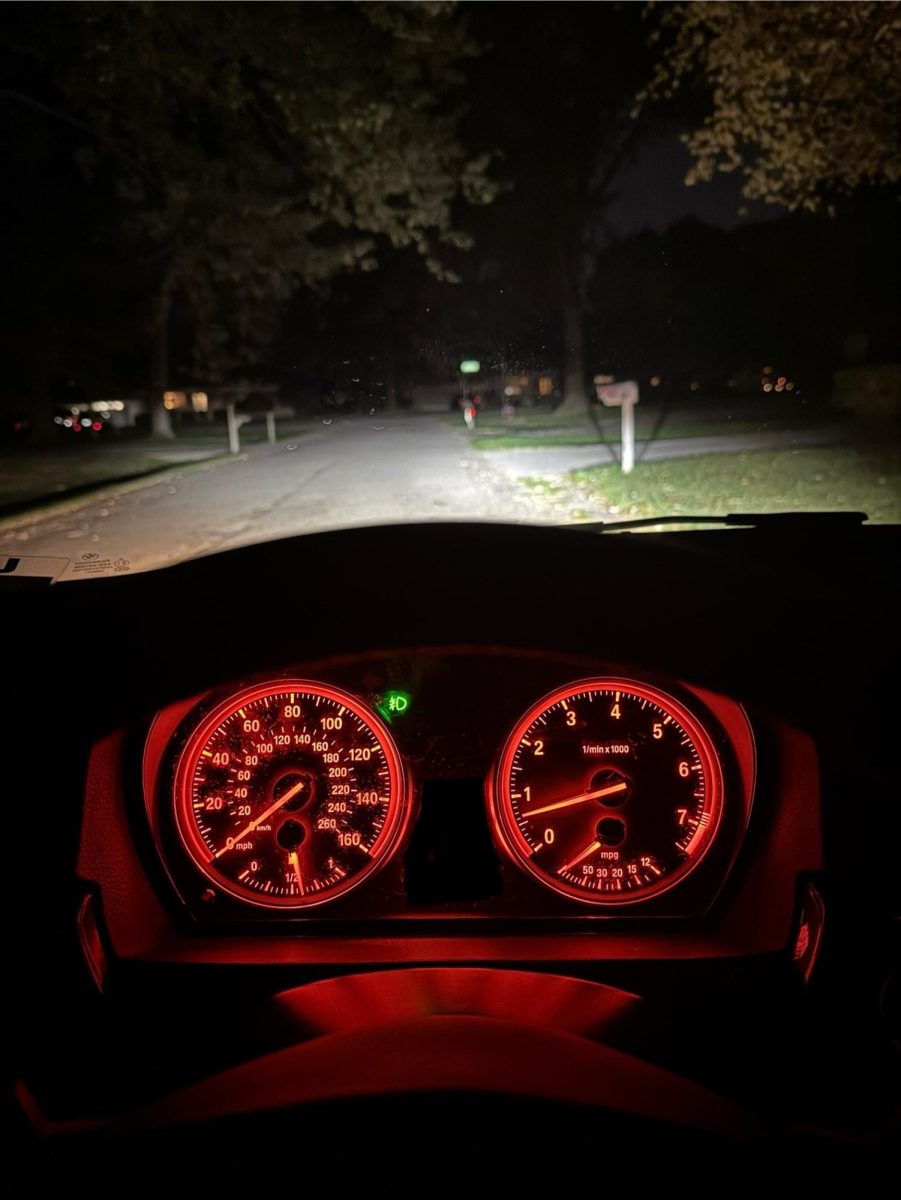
(351, 471)
(354, 471)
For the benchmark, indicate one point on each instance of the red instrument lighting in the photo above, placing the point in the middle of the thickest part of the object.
(608, 791)
(289, 794)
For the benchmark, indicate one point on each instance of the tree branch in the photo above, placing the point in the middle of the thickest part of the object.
(97, 134)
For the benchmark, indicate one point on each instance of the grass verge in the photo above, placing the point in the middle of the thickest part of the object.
(73, 497)
(35, 475)
(850, 478)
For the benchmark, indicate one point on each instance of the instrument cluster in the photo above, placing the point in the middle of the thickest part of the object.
(435, 784)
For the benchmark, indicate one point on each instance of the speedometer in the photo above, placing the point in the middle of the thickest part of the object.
(289, 794)
(608, 791)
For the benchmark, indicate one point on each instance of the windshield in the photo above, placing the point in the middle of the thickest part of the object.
(280, 268)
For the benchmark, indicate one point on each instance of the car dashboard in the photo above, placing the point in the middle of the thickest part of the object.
(434, 811)
(703, 839)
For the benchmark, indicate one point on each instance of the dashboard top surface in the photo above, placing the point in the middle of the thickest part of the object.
(766, 614)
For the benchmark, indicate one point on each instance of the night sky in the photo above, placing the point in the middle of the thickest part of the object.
(652, 192)
(550, 93)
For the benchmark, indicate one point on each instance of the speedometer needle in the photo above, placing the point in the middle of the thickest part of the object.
(580, 799)
(280, 802)
(588, 850)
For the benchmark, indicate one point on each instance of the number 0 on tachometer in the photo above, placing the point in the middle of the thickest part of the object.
(608, 791)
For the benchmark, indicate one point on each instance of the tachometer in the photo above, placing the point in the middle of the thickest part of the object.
(289, 794)
(608, 791)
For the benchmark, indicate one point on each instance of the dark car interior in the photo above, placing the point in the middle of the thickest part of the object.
(453, 1011)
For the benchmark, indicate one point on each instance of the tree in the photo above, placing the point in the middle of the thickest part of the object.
(805, 96)
(571, 72)
(254, 148)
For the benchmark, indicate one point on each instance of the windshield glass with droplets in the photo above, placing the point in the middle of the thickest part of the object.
(280, 268)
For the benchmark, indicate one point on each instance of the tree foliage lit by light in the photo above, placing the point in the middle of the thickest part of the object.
(254, 148)
(805, 96)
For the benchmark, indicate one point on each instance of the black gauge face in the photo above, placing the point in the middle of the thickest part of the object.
(289, 794)
(608, 791)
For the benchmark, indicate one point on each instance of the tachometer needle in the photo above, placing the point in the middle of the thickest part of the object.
(292, 859)
(580, 799)
(588, 850)
(280, 802)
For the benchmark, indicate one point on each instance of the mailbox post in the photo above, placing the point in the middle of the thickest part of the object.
(234, 421)
(623, 396)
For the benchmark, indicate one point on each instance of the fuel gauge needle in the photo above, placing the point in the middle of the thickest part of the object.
(292, 859)
(573, 861)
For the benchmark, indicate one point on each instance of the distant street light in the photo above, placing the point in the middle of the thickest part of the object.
(470, 366)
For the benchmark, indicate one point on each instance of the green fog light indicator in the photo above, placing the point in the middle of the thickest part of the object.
(393, 703)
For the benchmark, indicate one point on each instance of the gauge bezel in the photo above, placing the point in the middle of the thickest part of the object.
(508, 836)
(387, 842)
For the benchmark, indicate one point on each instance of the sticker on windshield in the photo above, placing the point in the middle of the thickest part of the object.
(93, 564)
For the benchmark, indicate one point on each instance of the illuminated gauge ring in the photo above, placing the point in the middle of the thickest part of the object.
(289, 794)
(608, 791)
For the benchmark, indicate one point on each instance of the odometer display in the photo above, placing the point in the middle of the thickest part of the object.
(289, 794)
(608, 791)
